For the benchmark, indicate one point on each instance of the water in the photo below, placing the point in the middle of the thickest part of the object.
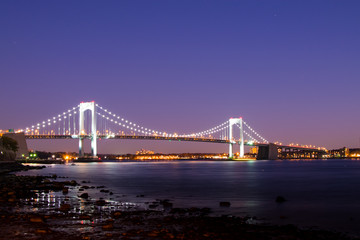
(322, 193)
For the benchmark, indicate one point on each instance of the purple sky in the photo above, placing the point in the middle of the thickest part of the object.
(290, 68)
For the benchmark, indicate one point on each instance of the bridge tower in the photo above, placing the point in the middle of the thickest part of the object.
(233, 121)
(84, 106)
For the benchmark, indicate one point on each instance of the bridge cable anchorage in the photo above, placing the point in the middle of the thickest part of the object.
(59, 119)
(254, 132)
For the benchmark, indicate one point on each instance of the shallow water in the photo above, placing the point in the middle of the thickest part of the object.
(322, 193)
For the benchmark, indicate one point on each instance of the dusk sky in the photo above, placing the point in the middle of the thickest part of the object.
(291, 69)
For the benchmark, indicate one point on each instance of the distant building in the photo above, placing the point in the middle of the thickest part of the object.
(144, 152)
(354, 152)
(253, 150)
(339, 153)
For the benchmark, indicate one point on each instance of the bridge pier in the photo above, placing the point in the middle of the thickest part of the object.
(268, 152)
(83, 107)
(238, 121)
(231, 154)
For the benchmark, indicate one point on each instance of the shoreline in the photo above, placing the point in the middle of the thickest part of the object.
(50, 207)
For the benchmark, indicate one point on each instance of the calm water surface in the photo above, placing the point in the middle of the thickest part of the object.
(323, 193)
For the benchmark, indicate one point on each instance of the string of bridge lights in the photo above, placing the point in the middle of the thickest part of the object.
(131, 126)
(128, 124)
(114, 118)
(135, 127)
(52, 120)
(253, 131)
(252, 138)
(209, 131)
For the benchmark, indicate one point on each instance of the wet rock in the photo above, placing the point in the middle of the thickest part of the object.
(100, 187)
(36, 219)
(100, 202)
(225, 204)
(85, 217)
(84, 195)
(141, 195)
(65, 190)
(109, 226)
(73, 183)
(117, 214)
(104, 191)
(280, 199)
(166, 203)
(11, 200)
(64, 207)
(42, 231)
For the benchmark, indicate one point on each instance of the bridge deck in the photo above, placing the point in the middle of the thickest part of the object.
(187, 139)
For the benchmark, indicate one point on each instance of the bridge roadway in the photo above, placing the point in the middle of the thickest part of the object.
(188, 139)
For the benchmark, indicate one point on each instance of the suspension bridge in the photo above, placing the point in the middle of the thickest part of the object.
(88, 120)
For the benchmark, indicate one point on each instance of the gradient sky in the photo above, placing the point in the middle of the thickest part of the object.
(290, 68)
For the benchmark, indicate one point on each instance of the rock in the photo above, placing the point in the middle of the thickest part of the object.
(64, 207)
(42, 231)
(100, 202)
(84, 195)
(166, 204)
(109, 226)
(225, 204)
(85, 217)
(117, 214)
(280, 199)
(36, 219)
(65, 190)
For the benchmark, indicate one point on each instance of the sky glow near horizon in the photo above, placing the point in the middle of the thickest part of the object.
(289, 68)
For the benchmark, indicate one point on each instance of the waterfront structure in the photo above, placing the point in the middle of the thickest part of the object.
(19, 137)
(76, 123)
(339, 153)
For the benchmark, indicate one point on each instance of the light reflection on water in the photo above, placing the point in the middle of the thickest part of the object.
(319, 192)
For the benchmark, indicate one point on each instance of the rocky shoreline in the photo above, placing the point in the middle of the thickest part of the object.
(49, 207)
